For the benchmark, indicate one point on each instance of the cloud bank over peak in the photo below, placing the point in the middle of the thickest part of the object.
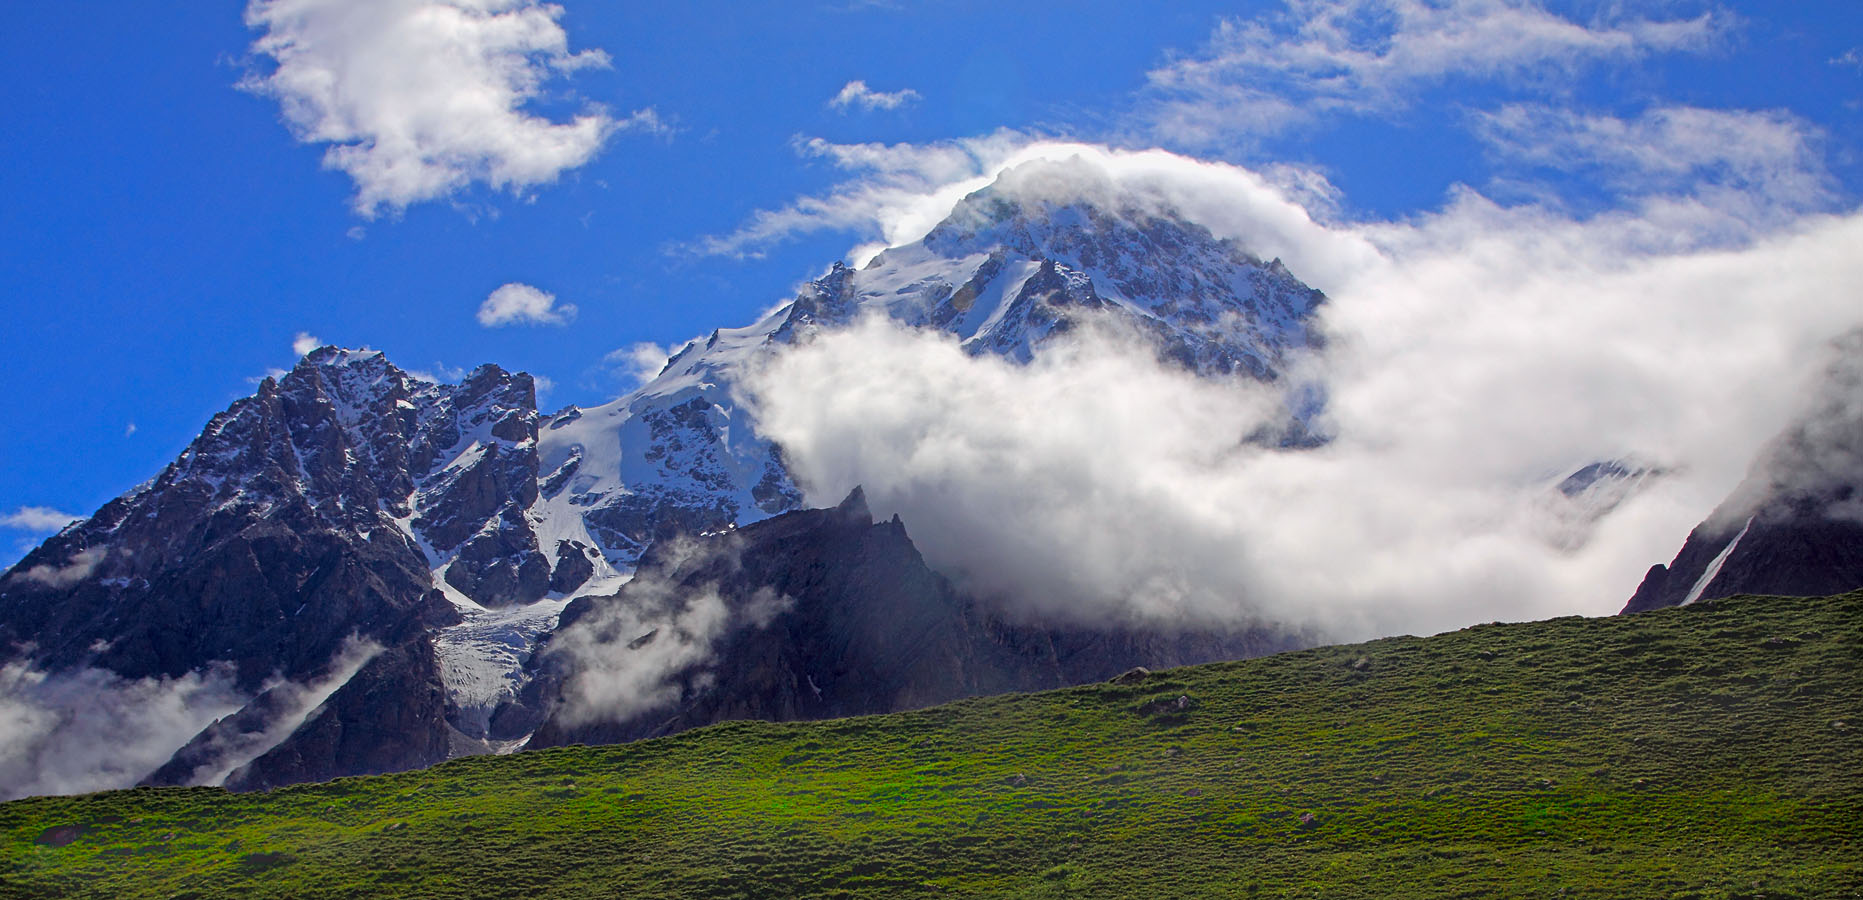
(897, 193)
(1477, 356)
(419, 98)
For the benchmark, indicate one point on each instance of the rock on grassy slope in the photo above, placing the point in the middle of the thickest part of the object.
(1710, 751)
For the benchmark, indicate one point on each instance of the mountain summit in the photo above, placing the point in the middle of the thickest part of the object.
(362, 563)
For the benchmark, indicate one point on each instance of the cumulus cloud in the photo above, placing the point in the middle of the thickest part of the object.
(419, 98)
(37, 518)
(521, 304)
(1359, 57)
(856, 93)
(644, 654)
(1477, 356)
(305, 342)
(91, 730)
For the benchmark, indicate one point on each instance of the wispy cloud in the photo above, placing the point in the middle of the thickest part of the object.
(37, 518)
(1763, 162)
(305, 342)
(419, 98)
(894, 190)
(857, 94)
(1851, 59)
(89, 729)
(79, 568)
(637, 363)
(1359, 57)
(521, 304)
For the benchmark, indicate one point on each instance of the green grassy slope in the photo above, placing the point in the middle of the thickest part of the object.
(1714, 751)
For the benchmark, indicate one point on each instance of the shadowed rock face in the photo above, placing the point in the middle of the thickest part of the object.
(1795, 526)
(343, 503)
(290, 528)
(1811, 556)
(831, 614)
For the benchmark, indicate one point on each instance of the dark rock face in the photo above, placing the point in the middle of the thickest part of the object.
(831, 614)
(1811, 557)
(1795, 526)
(390, 717)
(575, 563)
(276, 540)
(341, 506)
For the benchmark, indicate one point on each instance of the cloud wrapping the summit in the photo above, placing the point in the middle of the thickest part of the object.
(1477, 356)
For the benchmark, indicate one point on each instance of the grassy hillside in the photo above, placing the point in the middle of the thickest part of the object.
(1708, 752)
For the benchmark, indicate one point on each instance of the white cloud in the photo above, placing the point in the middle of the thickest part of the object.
(521, 304)
(304, 343)
(129, 430)
(1477, 356)
(1852, 58)
(1769, 159)
(641, 655)
(290, 704)
(37, 518)
(897, 189)
(1357, 57)
(78, 568)
(899, 192)
(640, 362)
(856, 93)
(649, 121)
(440, 373)
(420, 98)
(91, 730)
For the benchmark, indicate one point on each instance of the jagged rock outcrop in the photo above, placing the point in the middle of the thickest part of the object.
(375, 557)
(820, 613)
(1015, 266)
(1795, 526)
(305, 518)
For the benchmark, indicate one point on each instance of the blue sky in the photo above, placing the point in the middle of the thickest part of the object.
(171, 227)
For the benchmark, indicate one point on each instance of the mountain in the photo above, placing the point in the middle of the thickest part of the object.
(818, 614)
(1693, 752)
(1795, 525)
(1004, 273)
(356, 565)
(307, 521)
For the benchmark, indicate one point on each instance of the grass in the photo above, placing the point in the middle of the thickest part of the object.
(1714, 751)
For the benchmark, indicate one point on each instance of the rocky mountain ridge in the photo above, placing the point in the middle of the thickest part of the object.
(375, 558)
(1794, 527)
